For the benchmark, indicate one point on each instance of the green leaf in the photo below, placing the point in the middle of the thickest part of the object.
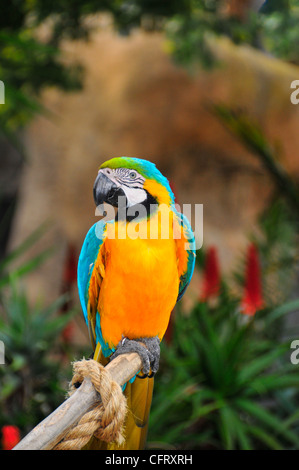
(281, 311)
(25, 245)
(265, 437)
(258, 365)
(204, 410)
(273, 382)
(227, 428)
(26, 267)
(267, 418)
(291, 419)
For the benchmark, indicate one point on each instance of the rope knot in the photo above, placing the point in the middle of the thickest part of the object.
(104, 421)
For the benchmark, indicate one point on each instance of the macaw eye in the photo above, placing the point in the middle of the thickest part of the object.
(133, 175)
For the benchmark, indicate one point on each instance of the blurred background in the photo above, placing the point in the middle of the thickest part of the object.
(202, 89)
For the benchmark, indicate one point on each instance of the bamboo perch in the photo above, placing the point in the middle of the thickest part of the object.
(53, 428)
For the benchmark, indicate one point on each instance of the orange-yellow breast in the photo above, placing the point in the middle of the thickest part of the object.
(139, 288)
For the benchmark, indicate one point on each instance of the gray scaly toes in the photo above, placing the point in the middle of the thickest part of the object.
(149, 352)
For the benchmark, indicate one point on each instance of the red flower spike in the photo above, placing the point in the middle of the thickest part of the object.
(169, 331)
(70, 266)
(68, 333)
(68, 279)
(10, 437)
(211, 275)
(252, 298)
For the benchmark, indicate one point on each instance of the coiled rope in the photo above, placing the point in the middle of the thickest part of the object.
(105, 421)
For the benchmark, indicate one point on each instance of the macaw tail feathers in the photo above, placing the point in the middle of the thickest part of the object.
(139, 398)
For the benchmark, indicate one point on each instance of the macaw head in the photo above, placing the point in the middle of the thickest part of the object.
(137, 181)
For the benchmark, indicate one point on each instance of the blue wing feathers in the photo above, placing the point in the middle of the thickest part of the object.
(191, 253)
(89, 252)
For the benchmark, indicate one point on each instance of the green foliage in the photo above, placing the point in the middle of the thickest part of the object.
(30, 62)
(33, 378)
(278, 224)
(276, 237)
(188, 32)
(281, 21)
(9, 271)
(272, 29)
(130, 13)
(278, 248)
(219, 381)
(251, 135)
(27, 64)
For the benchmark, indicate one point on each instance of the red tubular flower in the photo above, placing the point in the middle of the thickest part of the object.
(211, 275)
(68, 279)
(10, 437)
(252, 298)
(169, 331)
(68, 333)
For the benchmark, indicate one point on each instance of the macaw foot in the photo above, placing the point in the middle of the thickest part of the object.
(148, 350)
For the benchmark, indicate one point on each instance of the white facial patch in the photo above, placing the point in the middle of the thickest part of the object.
(134, 195)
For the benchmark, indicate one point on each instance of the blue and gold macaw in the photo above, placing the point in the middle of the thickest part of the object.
(131, 272)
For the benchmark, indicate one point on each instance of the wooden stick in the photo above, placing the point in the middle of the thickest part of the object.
(53, 428)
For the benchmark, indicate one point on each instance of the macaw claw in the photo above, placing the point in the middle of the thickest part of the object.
(148, 350)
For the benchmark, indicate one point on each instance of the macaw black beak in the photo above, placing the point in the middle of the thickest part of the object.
(105, 190)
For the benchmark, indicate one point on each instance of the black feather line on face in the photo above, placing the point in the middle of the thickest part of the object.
(134, 186)
(150, 204)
